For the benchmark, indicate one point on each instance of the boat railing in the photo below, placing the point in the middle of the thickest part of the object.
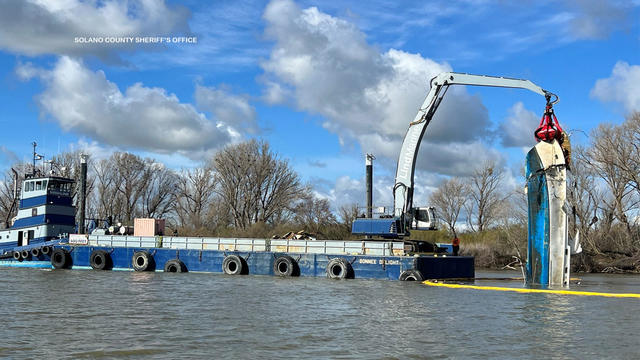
(338, 247)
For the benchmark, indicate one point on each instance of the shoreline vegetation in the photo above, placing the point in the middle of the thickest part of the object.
(248, 190)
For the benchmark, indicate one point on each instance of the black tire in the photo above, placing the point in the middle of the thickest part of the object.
(411, 275)
(25, 254)
(35, 252)
(17, 256)
(143, 261)
(339, 268)
(46, 250)
(285, 266)
(234, 265)
(100, 260)
(175, 266)
(60, 259)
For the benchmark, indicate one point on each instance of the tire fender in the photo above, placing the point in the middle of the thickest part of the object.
(60, 259)
(411, 275)
(339, 268)
(100, 260)
(143, 261)
(175, 266)
(285, 265)
(234, 265)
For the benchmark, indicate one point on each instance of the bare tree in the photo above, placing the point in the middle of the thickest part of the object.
(132, 176)
(255, 183)
(486, 196)
(157, 194)
(606, 156)
(314, 214)
(347, 214)
(193, 196)
(449, 199)
(106, 195)
(585, 198)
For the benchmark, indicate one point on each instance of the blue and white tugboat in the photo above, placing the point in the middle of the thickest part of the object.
(45, 215)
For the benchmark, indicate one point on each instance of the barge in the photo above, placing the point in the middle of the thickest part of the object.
(40, 238)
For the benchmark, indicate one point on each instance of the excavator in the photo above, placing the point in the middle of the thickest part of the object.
(406, 217)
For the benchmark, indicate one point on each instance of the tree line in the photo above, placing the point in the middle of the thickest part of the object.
(244, 190)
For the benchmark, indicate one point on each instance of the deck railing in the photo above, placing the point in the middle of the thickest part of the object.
(339, 247)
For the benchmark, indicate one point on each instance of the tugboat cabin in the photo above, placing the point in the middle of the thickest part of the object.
(45, 212)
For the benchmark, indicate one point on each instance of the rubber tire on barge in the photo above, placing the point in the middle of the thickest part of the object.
(17, 255)
(411, 275)
(143, 261)
(25, 254)
(60, 259)
(100, 260)
(35, 252)
(234, 265)
(175, 266)
(285, 266)
(339, 268)
(46, 250)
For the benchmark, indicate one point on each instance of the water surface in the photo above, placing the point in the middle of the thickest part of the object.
(91, 314)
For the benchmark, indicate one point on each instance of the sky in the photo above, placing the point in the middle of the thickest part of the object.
(323, 82)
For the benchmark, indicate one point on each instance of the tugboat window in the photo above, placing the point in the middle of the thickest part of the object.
(38, 185)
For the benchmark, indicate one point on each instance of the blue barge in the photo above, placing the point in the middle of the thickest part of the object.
(40, 238)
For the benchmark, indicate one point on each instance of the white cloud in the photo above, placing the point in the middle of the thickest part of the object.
(623, 86)
(35, 27)
(517, 129)
(230, 109)
(328, 68)
(145, 118)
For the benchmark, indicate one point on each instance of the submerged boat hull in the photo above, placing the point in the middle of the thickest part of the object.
(547, 248)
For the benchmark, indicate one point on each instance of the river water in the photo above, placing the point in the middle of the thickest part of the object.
(91, 314)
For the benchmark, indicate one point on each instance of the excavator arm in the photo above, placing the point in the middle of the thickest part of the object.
(403, 188)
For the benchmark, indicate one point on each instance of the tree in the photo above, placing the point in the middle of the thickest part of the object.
(314, 214)
(449, 198)
(157, 195)
(486, 196)
(194, 196)
(255, 183)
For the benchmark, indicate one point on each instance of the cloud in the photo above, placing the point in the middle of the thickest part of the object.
(623, 86)
(327, 67)
(597, 19)
(227, 108)
(517, 129)
(145, 118)
(36, 27)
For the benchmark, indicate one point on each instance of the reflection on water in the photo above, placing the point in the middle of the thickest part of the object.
(92, 314)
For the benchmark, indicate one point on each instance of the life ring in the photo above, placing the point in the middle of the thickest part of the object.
(411, 275)
(35, 252)
(234, 265)
(339, 268)
(25, 254)
(100, 260)
(60, 259)
(175, 266)
(142, 261)
(46, 250)
(285, 266)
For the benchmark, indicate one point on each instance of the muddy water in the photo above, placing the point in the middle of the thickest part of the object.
(90, 314)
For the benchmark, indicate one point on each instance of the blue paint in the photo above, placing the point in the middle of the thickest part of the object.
(45, 200)
(376, 227)
(261, 263)
(538, 228)
(52, 219)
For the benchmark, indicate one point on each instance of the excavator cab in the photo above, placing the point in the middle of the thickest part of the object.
(423, 218)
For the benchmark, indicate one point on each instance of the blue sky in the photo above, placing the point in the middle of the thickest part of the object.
(323, 82)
